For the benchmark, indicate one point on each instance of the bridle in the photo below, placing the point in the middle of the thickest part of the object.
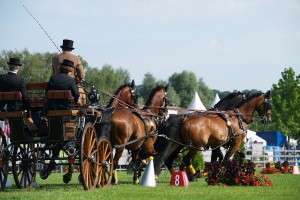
(266, 106)
(134, 96)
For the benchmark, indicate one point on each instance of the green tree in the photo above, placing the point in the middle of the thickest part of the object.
(206, 95)
(185, 84)
(149, 82)
(286, 106)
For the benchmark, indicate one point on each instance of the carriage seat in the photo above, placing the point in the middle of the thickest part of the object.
(14, 97)
(36, 94)
(61, 95)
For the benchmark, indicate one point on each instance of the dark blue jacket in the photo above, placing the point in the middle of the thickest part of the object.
(11, 82)
(62, 81)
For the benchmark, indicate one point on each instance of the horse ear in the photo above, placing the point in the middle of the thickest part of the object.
(268, 94)
(167, 87)
(132, 83)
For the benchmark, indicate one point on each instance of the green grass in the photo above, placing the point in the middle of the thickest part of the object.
(285, 186)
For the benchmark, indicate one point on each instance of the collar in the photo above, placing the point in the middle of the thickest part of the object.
(13, 72)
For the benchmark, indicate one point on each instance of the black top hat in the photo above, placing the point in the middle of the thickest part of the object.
(67, 44)
(67, 62)
(14, 61)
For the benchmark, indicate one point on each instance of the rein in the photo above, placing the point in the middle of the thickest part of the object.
(136, 140)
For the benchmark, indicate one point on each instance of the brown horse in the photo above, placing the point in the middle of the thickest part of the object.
(135, 129)
(125, 95)
(210, 129)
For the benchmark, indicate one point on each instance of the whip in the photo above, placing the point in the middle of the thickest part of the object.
(40, 25)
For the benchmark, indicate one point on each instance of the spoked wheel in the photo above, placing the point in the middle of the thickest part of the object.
(24, 165)
(4, 157)
(89, 166)
(106, 162)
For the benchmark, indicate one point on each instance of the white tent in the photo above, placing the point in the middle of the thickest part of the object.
(251, 136)
(196, 103)
(215, 101)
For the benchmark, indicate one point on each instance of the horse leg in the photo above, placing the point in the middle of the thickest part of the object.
(170, 160)
(117, 156)
(215, 154)
(136, 167)
(234, 146)
(187, 159)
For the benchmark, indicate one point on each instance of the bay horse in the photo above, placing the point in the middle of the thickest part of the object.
(210, 128)
(125, 96)
(135, 129)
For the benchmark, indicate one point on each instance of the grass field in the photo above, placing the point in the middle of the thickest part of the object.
(285, 186)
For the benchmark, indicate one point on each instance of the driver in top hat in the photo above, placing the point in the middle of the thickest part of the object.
(67, 48)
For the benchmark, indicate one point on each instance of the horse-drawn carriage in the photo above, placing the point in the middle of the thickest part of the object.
(69, 131)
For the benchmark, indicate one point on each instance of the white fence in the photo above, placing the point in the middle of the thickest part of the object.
(260, 155)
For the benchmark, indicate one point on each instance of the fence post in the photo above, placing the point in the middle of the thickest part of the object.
(263, 152)
(295, 160)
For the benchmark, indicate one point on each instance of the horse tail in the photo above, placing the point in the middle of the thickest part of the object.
(166, 133)
(104, 126)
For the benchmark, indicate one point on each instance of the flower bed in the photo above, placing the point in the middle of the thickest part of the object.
(234, 172)
(277, 168)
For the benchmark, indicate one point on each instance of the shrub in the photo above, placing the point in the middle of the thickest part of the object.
(233, 172)
(277, 168)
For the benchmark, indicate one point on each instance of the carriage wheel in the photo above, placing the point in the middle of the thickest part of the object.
(4, 157)
(24, 165)
(106, 162)
(89, 166)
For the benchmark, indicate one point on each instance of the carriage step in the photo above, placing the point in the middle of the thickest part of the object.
(57, 113)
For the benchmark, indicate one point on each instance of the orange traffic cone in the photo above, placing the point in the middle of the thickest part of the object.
(148, 178)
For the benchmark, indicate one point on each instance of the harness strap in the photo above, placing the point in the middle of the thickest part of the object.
(136, 140)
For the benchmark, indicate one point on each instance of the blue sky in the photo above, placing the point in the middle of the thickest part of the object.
(231, 44)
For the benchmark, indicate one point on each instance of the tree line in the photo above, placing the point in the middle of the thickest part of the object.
(285, 94)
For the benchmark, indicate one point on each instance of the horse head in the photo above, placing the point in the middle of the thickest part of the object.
(158, 101)
(126, 95)
(265, 108)
(259, 102)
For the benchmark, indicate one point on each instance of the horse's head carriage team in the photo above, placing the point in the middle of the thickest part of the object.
(147, 131)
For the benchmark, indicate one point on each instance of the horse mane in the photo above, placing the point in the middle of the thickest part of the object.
(118, 90)
(227, 97)
(249, 96)
(150, 98)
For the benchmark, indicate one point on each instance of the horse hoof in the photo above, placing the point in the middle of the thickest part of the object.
(115, 183)
(136, 182)
(67, 177)
(80, 179)
(193, 177)
(199, 174)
